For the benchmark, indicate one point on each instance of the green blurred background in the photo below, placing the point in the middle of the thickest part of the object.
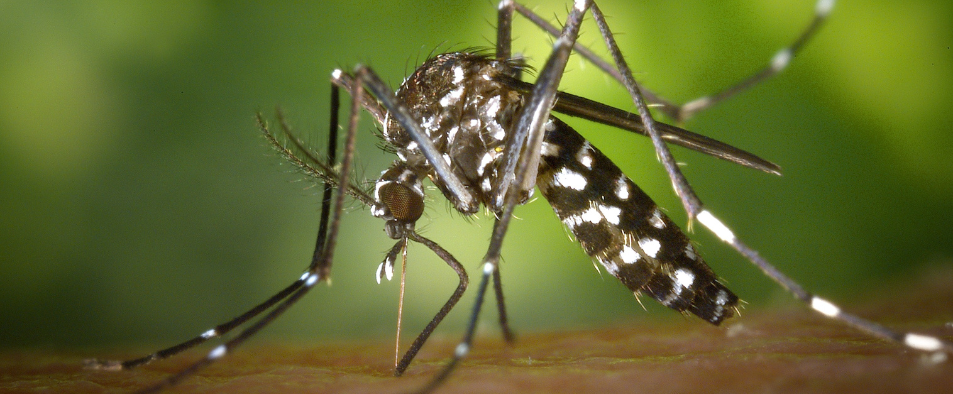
(139, 205)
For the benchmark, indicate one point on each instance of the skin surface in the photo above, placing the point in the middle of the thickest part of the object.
(786, 350)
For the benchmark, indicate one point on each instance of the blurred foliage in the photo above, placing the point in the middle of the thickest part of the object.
(140, 205)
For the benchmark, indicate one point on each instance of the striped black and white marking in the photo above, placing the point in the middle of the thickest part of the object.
(617, 224)
(485, 138)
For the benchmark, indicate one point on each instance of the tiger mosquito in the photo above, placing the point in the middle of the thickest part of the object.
(466, 121)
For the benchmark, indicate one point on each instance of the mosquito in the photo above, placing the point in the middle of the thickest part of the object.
(486, 139)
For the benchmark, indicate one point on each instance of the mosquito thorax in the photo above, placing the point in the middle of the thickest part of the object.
(463, 108)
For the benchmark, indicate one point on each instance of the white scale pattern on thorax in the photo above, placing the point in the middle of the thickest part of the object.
(466, 117)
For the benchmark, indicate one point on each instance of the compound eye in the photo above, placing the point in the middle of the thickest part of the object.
(404, 204)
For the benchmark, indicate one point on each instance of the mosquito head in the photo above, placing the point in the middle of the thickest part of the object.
(400, 199)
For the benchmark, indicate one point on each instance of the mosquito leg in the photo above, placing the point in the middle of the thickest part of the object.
(463, 348)
(914, 341)
(226, 327)
(501, 308)
(221, 329)
(530, 122)
(320, 268)
(504, 30)
(371, 105)
(681, 113)
(504, 33)
(451, 302)
(221, 350)
(323, 265)
(689, 200)
(778, 63)
(326, 195)
(695, 210)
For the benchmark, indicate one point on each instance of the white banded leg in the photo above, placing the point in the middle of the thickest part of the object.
(682, 112)
(319, 269)
(224, 328)
(695, 209)
(920, 342)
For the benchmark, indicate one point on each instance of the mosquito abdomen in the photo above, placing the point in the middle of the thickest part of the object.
(621, 227)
